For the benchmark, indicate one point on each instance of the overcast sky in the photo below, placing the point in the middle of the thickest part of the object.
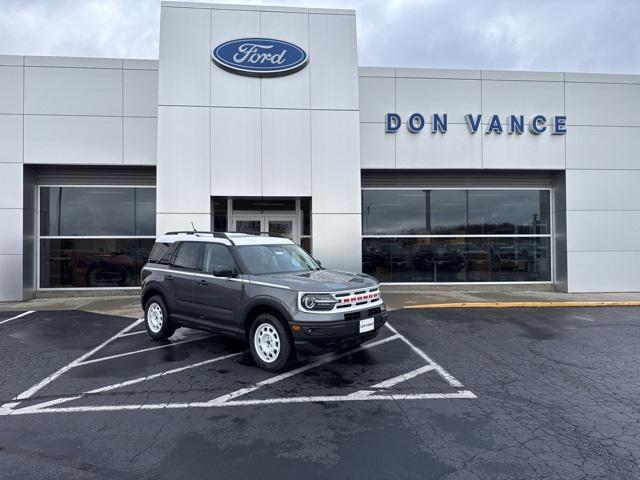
(563, 35)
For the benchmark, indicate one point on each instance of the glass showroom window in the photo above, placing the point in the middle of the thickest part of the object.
(455, 235)
(95, 237)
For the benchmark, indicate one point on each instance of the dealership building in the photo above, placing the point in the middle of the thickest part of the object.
(259, 119)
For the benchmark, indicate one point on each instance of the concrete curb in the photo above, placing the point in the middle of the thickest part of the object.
(613, 303)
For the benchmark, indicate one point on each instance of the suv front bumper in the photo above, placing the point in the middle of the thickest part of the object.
(324, 335)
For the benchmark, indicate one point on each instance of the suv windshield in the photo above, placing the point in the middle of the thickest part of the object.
(261, 259)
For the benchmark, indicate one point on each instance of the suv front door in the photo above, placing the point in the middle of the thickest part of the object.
(217, 296)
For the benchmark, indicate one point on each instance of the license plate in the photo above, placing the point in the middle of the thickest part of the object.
(366, 325)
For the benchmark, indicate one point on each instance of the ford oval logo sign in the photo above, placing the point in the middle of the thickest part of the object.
(260, 57)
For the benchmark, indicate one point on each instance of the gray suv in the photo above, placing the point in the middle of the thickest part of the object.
(263, 289)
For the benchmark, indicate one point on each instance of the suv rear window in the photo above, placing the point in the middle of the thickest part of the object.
(162, 253)
(159, 249)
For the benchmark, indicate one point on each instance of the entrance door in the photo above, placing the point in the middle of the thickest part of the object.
(252, 226)
(285, 225)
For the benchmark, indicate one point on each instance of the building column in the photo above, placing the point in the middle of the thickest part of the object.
(11, 240)
(337, 198)
(183, 185)
(11, 181)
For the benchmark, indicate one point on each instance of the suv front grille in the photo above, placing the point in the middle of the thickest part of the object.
(357, 298)
(372, 312)
(349, 301)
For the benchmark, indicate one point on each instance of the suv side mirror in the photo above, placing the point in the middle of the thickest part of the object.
(223, 271)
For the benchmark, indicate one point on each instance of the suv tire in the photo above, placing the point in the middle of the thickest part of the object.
(269, 342)
(157, 321)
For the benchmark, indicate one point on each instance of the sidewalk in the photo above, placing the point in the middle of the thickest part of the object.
(395, 297)
(124, 305)
(407, 297)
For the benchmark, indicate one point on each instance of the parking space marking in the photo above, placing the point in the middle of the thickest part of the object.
(142, 350)
(462, 394)
(17, 317)
(393, 381)
(378, 391)
(346, 398)
(451, 380)
(134, 381)
(404, 377)
(322, 361)
(39, 386)
(128, 334)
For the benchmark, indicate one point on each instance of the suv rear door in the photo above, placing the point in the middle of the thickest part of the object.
(186, 262)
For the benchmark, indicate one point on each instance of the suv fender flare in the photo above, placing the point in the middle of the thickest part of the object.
(263, 301)
(154, 287)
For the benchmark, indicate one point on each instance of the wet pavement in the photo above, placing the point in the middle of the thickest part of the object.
(442, 393)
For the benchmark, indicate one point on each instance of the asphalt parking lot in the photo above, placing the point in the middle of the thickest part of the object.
(442, 393)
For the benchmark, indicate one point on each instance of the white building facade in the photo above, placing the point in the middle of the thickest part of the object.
(412, 175)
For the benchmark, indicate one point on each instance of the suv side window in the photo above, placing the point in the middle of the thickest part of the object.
(189, 256)
(159, 249)
(217, 257)
(166, 255)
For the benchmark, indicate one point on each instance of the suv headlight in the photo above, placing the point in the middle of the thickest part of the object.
(317, 302)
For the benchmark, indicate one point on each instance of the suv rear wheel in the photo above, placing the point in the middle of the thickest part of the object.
(270, 344)
(159, 326)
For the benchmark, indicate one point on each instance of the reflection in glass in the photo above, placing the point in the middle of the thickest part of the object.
(455, 212)
(387, 212)
(252, 227)
(219, 209)
(457, 259)
(283, 228)
(74, 263)
(509, 212)
(97, 211)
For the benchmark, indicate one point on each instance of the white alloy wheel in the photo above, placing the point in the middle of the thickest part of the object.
(155, 317)
(267, 342)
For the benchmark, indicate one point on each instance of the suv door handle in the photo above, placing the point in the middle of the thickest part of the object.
(203, 283)
(168, 277)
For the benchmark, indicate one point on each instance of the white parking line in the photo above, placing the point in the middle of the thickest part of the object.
(125, 354)
(346, 398)
(378, 391)
(403, 378)
(462, 394)
(451, 380)
(17, 316)
(133, 333)
(135, 381)
(322, 361)
(39, 386)
(393, 381)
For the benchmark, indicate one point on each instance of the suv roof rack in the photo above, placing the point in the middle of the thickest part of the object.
(260, 234)
(224, 235)
(202, 232)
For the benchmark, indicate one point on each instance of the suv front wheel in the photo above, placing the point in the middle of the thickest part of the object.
(270, 344)
(159, 326)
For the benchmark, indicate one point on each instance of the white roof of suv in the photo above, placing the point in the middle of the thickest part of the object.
(226, 238)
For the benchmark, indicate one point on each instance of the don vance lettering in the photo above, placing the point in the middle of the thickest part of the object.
(490, 124)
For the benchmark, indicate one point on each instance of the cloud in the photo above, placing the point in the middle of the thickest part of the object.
(572, 35)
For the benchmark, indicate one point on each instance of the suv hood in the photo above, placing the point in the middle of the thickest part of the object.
(318, 281)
